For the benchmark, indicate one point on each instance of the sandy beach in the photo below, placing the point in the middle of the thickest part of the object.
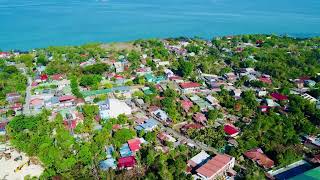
(9, 165)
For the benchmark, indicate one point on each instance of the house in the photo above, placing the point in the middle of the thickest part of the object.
(212, 100)
(231, 77)
(309, 98)
(264, 108)
(299, 83)
(237, 93)
(231, 130)
(216, 84)
(71, 118)
(313, 140)
(169, 73)
(161, 114)
(143, 71)
(218, 166)
(186, 105)
(13, 97)
(199, 118)
(198, 159)
(44, 77)
(258, 156)
(265, 80)
(57, 77)
(67, 99)
(112, 108)
(189, 87)
(37, 104)
(139, 102)
(164, 137)
(271, 103)
(279, 97)
(109, 151)
(3, 124)
(186, 127)
(261, 93)
(135, 144)
(51, 103)
(119, 67)
(4, 55)
(204, 105)
(148, 125)
(125, 150)
(159, 63)
(89, 62)
(176, 79)
(107, 164)
(126, 162)
(17, 107)
(310, 83)
(151, 78)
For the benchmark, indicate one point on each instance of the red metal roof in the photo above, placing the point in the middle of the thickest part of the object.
(57, 77)
(16, 106)
(118, 77)
(66, 98)
(44, 77)
(187, 85)
(116, 127)
(192, 126)
(34, 84)
(134, 144)
(35, 102)
(3, 124)
(186, 104)
(199, 117)
(279, 96)
(265, 80)
(214, 165)
(72, 125)
(172, 78)
(258, 156)
(230, 130)
(125, 162)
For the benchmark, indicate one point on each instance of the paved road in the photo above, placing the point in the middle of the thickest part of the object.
(26, 106)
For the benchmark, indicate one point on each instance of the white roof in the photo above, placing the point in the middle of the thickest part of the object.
(199, 158)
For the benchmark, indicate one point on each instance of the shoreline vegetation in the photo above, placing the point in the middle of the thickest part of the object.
(226, 96)
(121, 45)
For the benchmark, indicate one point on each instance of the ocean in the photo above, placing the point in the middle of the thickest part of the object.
(27, 24)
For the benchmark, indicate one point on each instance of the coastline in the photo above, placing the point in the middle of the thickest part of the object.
(116, 44)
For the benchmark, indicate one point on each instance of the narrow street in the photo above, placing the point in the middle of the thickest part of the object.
(26, 106)
(180, 136)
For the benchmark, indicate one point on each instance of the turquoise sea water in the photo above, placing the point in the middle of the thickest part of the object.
(26, 24)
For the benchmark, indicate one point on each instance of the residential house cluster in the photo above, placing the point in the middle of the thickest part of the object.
(204, 166)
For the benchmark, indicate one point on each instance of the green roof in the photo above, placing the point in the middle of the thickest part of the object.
(104, 91)
(313, 174)
(147, 92)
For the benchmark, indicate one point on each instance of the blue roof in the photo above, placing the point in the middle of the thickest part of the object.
(125, 150)
(139, 128)
(54, 100)
(109, 151)
(149, 123)
(106, 164)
